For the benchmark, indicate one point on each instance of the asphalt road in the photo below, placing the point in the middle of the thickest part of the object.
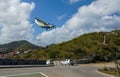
(58, 71)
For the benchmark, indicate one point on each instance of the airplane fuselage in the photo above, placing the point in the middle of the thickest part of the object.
(43, 24)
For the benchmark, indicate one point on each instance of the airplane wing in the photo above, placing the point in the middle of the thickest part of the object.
(40, 22)
(43, 24)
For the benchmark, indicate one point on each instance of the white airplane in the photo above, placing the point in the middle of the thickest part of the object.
(43, 24)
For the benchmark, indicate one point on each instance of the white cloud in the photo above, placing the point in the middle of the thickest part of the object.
(100, 15)
(14, 24)
(73, 1)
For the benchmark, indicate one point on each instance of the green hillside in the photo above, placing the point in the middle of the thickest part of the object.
(103, 46)
(19, 45)
(85, 46)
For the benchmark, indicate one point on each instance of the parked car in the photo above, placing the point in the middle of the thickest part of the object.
(50, 62)
(67, 62)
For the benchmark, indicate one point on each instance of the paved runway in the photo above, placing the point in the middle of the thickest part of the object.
(58, 71)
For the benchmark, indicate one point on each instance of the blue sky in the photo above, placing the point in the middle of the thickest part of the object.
(71, 17)
(54, 11)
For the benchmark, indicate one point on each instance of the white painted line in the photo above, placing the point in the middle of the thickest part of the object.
(26, 74)
(44, 74)
(20, 74)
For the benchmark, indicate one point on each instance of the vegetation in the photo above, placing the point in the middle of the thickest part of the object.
(117, 64)
(28, 75)
(85, 46)
(102, 46)
(24, 45)
(111, 71)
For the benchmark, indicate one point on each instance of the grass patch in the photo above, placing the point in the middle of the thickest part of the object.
(111, 71)
(27, 75)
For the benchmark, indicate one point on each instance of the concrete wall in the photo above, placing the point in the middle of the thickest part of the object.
(83, 61)
(21, 62)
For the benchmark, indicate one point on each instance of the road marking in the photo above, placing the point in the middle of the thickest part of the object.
(43, 74)
(26, 74)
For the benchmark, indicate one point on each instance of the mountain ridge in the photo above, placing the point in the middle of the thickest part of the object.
(22, 44)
